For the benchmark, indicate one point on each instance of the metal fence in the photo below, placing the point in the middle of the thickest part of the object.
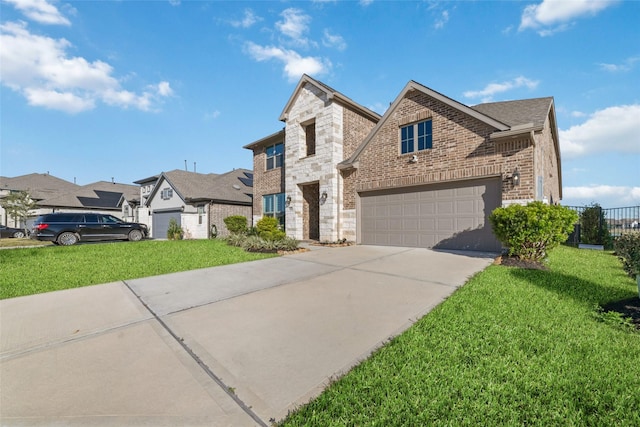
(600, 226)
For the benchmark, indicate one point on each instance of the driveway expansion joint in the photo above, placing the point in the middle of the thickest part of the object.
(227, 389)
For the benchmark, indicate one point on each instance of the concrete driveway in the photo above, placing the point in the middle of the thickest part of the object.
(238, 345)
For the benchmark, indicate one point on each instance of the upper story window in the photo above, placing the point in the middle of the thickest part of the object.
(423, 131)
(166, 193)
(310, 137)
(274, 156)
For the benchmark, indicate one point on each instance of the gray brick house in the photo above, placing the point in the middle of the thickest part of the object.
(426, 174)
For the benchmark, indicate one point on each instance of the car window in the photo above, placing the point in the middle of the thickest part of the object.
(110, 219)
(91, 218)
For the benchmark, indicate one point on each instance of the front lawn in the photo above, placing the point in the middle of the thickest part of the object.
(511, 347)
(27, 271)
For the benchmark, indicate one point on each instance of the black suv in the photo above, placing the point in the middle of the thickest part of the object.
(69, 228)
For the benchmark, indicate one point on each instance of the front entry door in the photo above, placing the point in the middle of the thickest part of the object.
(311, 211)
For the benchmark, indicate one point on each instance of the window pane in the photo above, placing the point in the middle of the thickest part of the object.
(424, 135)
(406, 139)
(279, 149)
(279, 203)
(270, 163)
(267, 204)
(278, 161)
(271, 151)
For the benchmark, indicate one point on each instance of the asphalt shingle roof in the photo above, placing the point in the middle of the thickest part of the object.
(39, 185)
(233, 186)
(519, 112)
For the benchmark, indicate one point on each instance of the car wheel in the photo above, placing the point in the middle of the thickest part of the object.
(18, 234)
(67, 239)
(135, 235)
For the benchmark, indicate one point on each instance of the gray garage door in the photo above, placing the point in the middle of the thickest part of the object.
(443, 216)
(161, 223)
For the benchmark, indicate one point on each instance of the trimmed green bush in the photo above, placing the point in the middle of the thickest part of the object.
(236, 224)
(531, 231)
(269, 229)
(627, 248)
(174, 232)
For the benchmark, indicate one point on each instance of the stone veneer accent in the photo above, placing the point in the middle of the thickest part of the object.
(312, 104)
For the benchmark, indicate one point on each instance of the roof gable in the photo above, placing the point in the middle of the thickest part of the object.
(414, 86)
(332, 94)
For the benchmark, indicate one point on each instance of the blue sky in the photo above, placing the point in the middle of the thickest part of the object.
(92, 90)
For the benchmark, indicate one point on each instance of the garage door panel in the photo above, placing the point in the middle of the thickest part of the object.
(451, 216)
(160, 223)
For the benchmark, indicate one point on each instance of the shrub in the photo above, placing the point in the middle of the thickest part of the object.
(258, 244)
(531, 231)
(593, 227)
(236, 224)
(174, 232)
(627, 248)
(269, 229)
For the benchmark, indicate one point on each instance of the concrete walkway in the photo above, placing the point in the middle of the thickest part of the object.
(239, 345)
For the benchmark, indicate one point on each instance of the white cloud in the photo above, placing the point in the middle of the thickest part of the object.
(40, 11)
(552, 16)
(248, 20)
(494, 88)
(40, 69)
(333, 40)
(626, 65)
(294, 64)
(365, 3)
(213, 115)
(295, 24)
(577, 114)
(608, 196)
(612, 129)
(444, 18)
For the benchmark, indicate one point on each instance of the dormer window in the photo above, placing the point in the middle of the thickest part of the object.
(310, 137)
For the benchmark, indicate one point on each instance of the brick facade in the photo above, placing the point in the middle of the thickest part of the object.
(467, 145)
(265, 181)
(462, 150)
(218, 212)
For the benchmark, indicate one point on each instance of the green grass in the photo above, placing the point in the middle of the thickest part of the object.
(28, 271)
(512, 347)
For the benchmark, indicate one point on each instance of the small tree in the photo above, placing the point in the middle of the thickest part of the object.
(627, 248)
(531, 231)
(236, 224)
(174, 232)
(19, 205)
(593, 226)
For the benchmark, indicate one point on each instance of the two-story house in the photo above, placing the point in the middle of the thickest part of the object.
(427, 173)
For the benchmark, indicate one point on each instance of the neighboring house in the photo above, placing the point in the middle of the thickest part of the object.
(426, 174)
(57, 195)
(197, 201)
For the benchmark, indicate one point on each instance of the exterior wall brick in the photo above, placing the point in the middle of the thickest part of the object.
(264, 181)
(546, 164)
(218, 212)
(461, 150)
(356, 129)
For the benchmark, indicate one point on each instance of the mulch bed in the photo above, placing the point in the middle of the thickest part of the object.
(629, 308)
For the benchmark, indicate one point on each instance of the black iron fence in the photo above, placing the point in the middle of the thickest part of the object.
(600, 226)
